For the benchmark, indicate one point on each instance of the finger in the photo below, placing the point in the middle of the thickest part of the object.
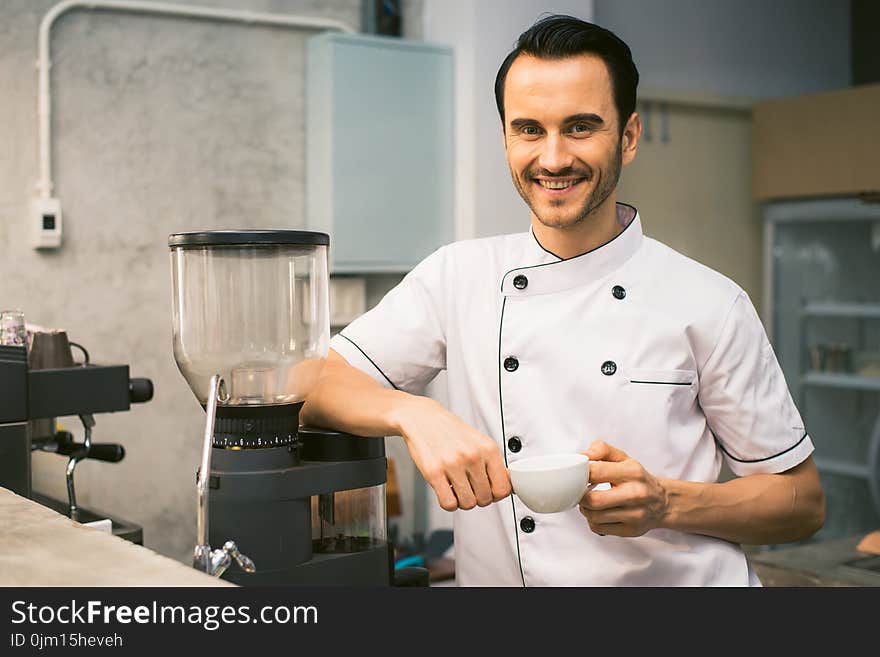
(599, 450)
(461, 486)
(443, 490)
(614, 516)
(499, 478)
(614, 529)
(599, 500)
(479, 481)
(593, 527)
(609, 472)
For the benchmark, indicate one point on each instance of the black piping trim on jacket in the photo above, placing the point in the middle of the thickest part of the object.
(579, 255)
(379, 369)
(766, 458)
(504, 442)
(663, 383)
(541, 246)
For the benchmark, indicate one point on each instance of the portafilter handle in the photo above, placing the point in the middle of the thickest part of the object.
(213, 562)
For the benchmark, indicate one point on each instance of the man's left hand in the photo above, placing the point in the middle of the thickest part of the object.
(636, 502)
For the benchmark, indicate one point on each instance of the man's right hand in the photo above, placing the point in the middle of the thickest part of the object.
(463, 466)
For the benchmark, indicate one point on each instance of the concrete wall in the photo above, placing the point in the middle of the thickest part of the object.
(160, 125)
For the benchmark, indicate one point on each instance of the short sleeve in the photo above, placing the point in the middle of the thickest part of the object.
(401, 342)
(746, 401)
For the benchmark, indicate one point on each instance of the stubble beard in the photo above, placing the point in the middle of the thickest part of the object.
(606, 182)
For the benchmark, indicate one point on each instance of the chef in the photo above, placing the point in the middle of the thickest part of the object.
(581, 335)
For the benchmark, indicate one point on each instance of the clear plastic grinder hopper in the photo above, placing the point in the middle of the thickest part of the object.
(251, 307)
(251, 330)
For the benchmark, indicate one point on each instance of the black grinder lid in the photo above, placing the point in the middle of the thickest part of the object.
(247, 238)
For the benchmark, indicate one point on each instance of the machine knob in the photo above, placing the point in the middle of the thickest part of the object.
(140, 390)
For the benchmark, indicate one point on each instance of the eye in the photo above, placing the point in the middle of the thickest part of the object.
(530, 130)
(580, 128)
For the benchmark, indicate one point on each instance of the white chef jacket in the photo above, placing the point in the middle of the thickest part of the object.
(631, 343)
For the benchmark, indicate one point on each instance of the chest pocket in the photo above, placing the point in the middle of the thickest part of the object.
(650, 377)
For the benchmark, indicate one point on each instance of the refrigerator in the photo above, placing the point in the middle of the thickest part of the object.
(822, 311)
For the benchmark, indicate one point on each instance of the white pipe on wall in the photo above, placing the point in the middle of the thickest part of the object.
(162, 8)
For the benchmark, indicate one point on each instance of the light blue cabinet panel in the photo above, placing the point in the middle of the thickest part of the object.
(379, 136)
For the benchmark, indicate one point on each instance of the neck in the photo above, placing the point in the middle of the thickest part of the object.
(598, 228)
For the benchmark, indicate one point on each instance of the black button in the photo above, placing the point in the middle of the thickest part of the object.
(527, 524)
(609, 367)
(510, 364)
(618, 292)
(514, 444)
(520, 282)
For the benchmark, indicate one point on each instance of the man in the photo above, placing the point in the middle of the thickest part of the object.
(581, 335)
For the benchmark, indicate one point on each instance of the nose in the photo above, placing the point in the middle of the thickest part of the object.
(555, 155)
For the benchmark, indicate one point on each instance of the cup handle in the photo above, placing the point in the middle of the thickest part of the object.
(586, 490)
(85, 353)
(596, 485)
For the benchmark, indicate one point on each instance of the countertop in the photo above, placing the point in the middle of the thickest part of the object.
(834, 562)
(40, 547)
(823, 563)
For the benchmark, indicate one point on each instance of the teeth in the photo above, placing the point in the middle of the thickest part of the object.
(556, 184)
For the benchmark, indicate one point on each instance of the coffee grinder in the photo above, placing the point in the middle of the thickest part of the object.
(290, 505)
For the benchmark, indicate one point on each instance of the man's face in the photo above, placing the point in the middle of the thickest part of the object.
(561, 136)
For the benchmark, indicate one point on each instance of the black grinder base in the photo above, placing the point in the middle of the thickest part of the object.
(265, 470)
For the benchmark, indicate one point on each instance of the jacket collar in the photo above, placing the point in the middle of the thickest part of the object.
(546, 272)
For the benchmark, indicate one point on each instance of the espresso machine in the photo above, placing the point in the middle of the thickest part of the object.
(281, 504)
(41, 382)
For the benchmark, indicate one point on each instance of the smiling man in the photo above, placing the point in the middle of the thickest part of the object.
(581, 335)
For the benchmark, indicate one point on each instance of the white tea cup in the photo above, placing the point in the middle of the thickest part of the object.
(551, 483)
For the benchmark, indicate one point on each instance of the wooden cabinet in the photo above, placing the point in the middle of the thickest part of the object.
(824, 144)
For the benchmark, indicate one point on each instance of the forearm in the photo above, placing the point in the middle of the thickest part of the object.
(759, 509)
(348, 400)
(463, 466)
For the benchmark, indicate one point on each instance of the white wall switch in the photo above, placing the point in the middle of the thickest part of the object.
(46, 220)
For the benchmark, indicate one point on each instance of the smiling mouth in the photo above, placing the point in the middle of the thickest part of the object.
(558, 185)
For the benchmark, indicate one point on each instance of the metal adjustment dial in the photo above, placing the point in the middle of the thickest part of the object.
(253, 442)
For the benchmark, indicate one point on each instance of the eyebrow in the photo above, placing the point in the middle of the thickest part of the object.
(594, 119)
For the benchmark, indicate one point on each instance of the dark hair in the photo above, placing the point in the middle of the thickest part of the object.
(558, 37)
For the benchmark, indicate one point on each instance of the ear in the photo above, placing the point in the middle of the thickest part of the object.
(629, 141)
